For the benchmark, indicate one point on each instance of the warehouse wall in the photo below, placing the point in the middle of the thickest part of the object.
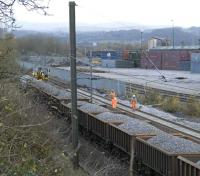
(167, 60)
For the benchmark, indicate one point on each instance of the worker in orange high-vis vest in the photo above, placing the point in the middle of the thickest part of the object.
(134, 102)
(113, 99)
(114, 102)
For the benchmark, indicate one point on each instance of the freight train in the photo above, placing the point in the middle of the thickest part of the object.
(156, 153)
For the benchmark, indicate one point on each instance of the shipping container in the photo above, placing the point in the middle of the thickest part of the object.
(195, 63)
(167, 59)
(185, 65)
(134, 55)
(124, 64)
(125, 54)
(184, 55)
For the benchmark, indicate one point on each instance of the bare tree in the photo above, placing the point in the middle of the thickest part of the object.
(7, 11)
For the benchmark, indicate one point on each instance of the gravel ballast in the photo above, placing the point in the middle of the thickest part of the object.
(109, 116)
(52, 90)
(135, 126)
(59, 93)
(63, 95)
(93, 108)
(79, 103)
(174, 144)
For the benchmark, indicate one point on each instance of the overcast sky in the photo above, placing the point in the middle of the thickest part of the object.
(184, 13)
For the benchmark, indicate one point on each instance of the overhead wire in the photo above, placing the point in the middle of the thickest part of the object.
(108, 19)
(147, 57)
(154, 81)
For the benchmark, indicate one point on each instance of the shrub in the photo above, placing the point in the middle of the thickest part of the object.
(171, 104)
(152, 97)
(193, 107)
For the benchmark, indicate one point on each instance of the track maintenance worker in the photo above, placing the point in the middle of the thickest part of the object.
(134, 102)
(114, 100)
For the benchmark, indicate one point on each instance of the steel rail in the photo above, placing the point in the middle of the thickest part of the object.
(140, 114)
(160, 121)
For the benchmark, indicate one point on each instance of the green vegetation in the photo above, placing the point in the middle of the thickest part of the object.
(116, 46)
(193, 107)
(8, 56)
(41, 44)
(152, 97)
(168, 104)
(30, 144)
(46, 44)
(30, 141)
(171, 104)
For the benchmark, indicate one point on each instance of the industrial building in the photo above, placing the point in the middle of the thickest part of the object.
(155, 41)
(104, 58)
(116, 59)
(105, 54)
(166, 57)
(169, 58)
(159, 54)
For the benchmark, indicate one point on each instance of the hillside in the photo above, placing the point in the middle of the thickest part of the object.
(186, 36)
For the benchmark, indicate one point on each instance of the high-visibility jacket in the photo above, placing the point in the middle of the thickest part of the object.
(134, 103)
(114, 102)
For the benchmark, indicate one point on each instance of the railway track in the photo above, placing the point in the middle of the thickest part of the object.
(130, 87)
(156, 158)
(145, 89)
(155, 119)
(142, 115)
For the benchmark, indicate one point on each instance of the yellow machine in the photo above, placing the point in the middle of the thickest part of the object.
(40, 74)
(96, 61)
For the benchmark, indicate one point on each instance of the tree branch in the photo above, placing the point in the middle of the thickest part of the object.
(34, 125)
(7, 13)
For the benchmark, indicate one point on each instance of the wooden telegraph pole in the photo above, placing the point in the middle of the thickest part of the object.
(74, 116)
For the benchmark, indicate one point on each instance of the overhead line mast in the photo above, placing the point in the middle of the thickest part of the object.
(74, 115)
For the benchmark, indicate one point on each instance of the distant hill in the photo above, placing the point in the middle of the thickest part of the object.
(189, 36)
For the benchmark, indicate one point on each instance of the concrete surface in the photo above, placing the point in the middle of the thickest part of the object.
(189, 84)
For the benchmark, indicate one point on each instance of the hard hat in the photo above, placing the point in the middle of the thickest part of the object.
(133, 96)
